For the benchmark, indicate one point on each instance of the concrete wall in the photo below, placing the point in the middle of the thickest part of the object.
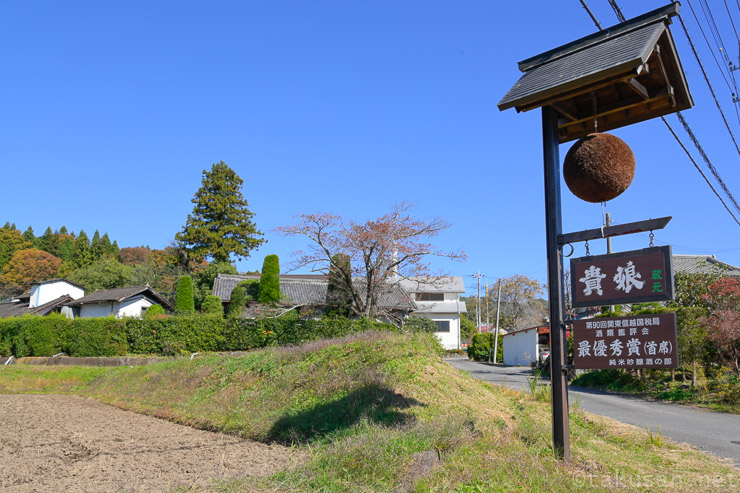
(521, 348)
(44, 293)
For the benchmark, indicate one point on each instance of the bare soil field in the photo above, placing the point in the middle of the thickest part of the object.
(66, 443)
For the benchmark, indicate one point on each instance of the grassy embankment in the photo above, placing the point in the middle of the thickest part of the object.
(720, 393)
(382, 412)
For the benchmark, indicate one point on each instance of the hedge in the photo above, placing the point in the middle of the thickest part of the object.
(46, 336)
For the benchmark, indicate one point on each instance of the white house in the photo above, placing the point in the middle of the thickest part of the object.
(439, 300)
(522, 347)
(120, 302)
(46, 291)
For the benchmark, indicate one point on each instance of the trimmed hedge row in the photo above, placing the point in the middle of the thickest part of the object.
(46, 336)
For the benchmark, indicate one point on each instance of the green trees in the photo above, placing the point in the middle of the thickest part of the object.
(82, 254)
(11, 241)
(269, 290)
(153, 311)
(106, 273)
(212, 305)
(236, 305)
(221, 222)
(184, 300)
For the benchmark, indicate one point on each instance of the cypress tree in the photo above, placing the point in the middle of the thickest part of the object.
(270, 280)
(95, 246)
(66, 249)
(29, 236)
(63, 230)
(106, 246)
(236, 305)
(115, 248)
(184, 299)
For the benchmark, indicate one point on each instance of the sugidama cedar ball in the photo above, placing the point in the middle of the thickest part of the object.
(599, 167)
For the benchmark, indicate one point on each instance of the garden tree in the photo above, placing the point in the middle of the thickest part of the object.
(29, 236)
(29, 266)
(82, 255)
(251, 289)
(723, 320)
(106, 273)
(519, 305)
(154, 311)
(184, 300)
(338, 299)
(134, 255)
(221, 222)
(693, 343)
(382, 251)
(691, 289)
(204, 279)
(236, 305)
(269, 287)
(467, 327)
(212, 305)
(11, 241)
(48, 242)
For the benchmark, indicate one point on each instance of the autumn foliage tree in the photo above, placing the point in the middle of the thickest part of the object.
(723, 322)
(381, 251)
(519, 306)
(29, 266)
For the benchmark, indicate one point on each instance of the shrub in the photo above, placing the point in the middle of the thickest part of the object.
(212, 305)
(236, 305)
(482, 346)
(184, 299)
(153, 311)
(270, 280)
(251, 289)
(419, 324)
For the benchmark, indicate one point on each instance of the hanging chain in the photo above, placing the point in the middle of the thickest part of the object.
(651, 237)
(588, 252)
(596, 126)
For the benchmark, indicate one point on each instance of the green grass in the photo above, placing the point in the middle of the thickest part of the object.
(720, 394)
(368, 410)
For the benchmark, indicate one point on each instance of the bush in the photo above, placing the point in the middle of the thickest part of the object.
(236, 305)
(212, 305)
(184, 298)
(45, 336)
(482, 346)
(153, 311)
(270, 280)
(419, 324)
(251, 289)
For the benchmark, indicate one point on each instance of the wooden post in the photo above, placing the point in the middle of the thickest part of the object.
(553, 223)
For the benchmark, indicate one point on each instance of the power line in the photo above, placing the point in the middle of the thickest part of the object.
(731, 21)
(711, 52)
(711, 89)
(593, 17)
(621, 17)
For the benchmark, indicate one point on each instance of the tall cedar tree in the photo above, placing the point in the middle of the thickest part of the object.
(270, 280)
(29, 236)
(48, 242)
(11, 241)
(221, 222)
(184, 299)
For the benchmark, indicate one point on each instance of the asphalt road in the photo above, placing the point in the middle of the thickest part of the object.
(714, 432)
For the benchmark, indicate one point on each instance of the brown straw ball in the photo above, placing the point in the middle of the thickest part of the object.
(599, 167)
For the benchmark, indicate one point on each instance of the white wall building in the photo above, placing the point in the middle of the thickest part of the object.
(53, 289)
(522, 347)
(121, 302)
(439, 300)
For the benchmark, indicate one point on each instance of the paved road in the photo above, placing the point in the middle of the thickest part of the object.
(718, 433)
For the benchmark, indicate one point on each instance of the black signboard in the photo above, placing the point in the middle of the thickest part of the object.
(642, 341)
(638, 276)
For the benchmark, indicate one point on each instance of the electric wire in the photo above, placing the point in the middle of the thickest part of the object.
(715, 33)
(621, 18)
(731, 21)
(711, 89)
(711, 51)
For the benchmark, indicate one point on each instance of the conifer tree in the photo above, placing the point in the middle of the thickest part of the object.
(82, 254)
(63, 230)
(236, 305)
(212, 305)
(184, 299)
(29, 236)
(66, 249)
(270, 280)
(48, 242)
(115, 248)
(221, 222)
(106, 245)
(95, 247)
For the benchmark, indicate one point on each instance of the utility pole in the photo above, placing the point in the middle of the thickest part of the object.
(477, 303)
(609, 248)
(498, 310)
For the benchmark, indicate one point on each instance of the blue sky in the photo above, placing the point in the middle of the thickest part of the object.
(112, 110)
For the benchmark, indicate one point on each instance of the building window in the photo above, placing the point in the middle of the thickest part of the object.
(442, 325)
(430, 296)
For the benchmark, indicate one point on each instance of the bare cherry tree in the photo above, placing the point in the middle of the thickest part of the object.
(381, 252)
